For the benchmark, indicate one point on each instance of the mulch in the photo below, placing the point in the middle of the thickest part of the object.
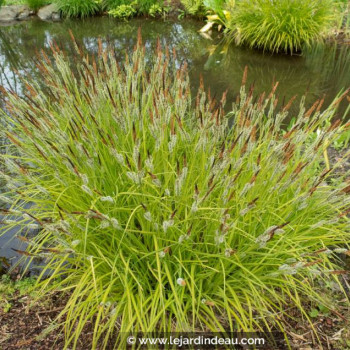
(25, 325)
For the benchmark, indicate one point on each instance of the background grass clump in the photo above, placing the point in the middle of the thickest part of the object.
(36, 4)
(157, 211)
(281, 25)
(78, 8)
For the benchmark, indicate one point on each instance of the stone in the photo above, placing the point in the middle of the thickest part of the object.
(7, 14)
(24, 14)
(56, 16)
(11, 13)
(48, 12)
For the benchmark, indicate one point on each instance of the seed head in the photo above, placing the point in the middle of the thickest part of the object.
(115, 224)
(75, 242)
(107, 199)
(167, 224)
(148, 216)
(181, 282)
(87, 190)
(85, 179)
(104, 224)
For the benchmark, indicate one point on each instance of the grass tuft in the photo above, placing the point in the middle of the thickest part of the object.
(78, 8)
(281, 25)
(36, 4)
(158, 211)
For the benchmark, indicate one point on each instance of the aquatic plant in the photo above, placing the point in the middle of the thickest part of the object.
(281, 25)
(157, 211)
(78, 8)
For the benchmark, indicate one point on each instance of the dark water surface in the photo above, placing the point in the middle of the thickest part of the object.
(321, 71)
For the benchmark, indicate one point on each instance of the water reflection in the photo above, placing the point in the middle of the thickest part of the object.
(322, 70)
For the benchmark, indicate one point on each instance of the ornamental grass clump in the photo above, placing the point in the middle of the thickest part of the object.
(157, 211)
(78, 8)
(36, 4)
(281, 25)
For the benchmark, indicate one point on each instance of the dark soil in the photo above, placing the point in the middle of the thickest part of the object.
(24, 325)
(335, 155)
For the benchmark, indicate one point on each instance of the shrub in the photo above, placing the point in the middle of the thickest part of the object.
(145, 5)
(36, 4)
(112, 4)
(217, 6)
(281, 25)
(127, 8)
(78, 8)
(156, 10)
(194, 7)
(123, 11)
(157, 213)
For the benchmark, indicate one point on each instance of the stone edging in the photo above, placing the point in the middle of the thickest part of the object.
(13, 13)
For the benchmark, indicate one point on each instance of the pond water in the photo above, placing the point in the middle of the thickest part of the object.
(321, 71)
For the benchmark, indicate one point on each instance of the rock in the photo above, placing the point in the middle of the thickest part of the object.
(12, 13)
(56, 16)
(49, 12)
(7, 14)
(24, 14)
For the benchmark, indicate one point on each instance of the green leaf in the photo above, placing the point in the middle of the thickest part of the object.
(314, 313)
